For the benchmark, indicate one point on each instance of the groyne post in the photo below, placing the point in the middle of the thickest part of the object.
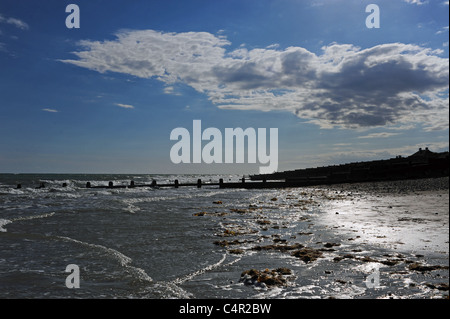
(199, 183)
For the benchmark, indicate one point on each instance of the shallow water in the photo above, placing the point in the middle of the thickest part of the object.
(153, 243)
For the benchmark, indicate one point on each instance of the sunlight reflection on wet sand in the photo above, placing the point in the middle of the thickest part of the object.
(416, 222)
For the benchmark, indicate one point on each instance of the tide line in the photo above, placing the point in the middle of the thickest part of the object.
(124, 260)
(181, 280)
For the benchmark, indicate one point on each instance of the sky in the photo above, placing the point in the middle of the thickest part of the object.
(105, 97)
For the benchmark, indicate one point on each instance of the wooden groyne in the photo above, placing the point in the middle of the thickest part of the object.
(243, 183)
(154, 184)
(422, 164)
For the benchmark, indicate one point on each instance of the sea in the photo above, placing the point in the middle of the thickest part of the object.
(329, 242)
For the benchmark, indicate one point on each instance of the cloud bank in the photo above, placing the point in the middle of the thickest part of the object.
(344, 86)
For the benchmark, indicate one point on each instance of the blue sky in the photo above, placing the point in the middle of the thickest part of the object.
(104, 98)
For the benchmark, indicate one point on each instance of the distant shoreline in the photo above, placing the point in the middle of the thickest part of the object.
(422, 164)
(401, 186)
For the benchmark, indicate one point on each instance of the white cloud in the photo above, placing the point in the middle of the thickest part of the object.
(15, 22)
(273, 46)
(345, 86)
(11, 21)
(125, 106)
(379, 135)
(170, 90)
(443, 30)
(417, 2)
(50, 110)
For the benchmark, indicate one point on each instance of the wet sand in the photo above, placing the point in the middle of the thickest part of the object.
(409, 215)
(366, 240)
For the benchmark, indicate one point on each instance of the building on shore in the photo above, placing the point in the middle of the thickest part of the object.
(422, 164)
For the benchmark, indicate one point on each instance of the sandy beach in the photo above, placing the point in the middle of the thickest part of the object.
(407, 215)
(367, 240)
